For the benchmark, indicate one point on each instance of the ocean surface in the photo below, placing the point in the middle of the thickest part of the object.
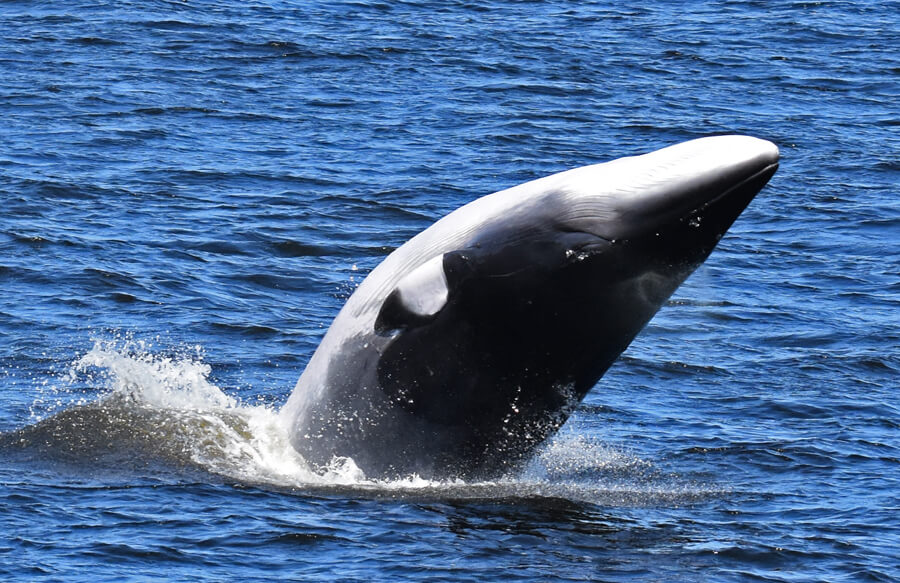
(190, 190)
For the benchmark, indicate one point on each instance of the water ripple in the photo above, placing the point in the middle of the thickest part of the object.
(223, 175)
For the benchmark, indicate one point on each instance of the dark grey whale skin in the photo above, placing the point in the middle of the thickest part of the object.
(524, 312)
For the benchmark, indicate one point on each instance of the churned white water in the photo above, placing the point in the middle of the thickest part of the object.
(166, 400)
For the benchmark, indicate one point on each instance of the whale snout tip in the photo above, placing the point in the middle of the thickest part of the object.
(773, 153)
(733, 158)
(768, 151)
(763, 151)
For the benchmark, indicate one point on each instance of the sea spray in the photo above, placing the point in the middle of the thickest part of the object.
(159, 409)
(173, 382)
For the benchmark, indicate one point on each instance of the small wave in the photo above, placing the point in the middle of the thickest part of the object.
(96, 41)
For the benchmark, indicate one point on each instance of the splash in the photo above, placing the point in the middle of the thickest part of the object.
(158, 409)
(162, 409)
(174, 382)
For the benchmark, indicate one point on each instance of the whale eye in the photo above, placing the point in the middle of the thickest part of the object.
(419, 295)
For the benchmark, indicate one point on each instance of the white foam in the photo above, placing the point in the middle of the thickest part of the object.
(218, 431)
(248, 442)
(179, 382)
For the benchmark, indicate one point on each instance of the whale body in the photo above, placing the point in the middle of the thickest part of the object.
(472, 343)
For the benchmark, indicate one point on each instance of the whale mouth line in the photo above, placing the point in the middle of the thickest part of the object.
(574, 231)
(768, 169)
(694, 216)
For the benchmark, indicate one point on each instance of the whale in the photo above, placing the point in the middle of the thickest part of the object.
(471, 344)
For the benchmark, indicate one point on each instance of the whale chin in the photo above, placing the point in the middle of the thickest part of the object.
(473, 342)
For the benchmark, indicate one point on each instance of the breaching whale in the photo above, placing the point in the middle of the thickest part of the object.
(472, 343)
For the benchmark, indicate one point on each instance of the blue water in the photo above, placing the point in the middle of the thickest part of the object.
(191, 190)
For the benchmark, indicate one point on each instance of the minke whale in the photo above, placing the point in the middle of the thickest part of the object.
(472, 343)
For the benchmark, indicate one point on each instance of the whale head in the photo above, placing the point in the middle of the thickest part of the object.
(472, 343)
